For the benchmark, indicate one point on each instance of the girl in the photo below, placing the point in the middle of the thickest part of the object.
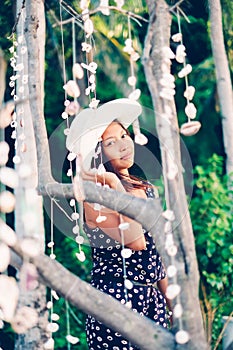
(126, 264)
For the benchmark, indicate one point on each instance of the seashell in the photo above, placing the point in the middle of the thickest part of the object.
(8, 297)
(140, 139)
(128, 284)
(55, 317)
(9, 177)
(177, 310)
(126, 253)
(72, 88)
(5, 256)
(71, 339)
(7, 202)
(135, 56)
(49, 344)
(123, 226)
(71, 156)
(6, 115)
(190, 128)
(7, 235)
(4, 152)
(90, 67)
(72, 108)
(75, 229)
(75, 216)
(88, 27)
(190, 110)
(189, 92)
(134, 95)
(103, 6)
(180, 53)
(100, 218)
(132, 80)
(52, 327)
(94, 103)
(79, 239)
(182, 337)
(171, 271)
(81, 256)
(177, 37)
(86, 47)
(185, 71)
(54, 295)
(172, 291)
(77, 71)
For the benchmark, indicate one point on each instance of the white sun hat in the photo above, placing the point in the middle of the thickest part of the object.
(89, 125)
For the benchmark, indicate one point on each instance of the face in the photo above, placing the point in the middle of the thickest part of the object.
(118, 147)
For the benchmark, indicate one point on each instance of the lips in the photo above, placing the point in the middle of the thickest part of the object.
(127, 156)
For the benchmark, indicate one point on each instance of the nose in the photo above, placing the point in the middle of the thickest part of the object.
(122, 145)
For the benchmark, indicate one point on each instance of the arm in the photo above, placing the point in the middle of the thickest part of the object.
(134, 237)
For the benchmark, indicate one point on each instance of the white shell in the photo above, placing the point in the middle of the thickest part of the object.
(75, 216)
(177, 37)
(134, 95)
(128, 284)
(71, 339)
(140, 139)
(126, 253)
(6, 115)
(72, 88)
(7, 235)
(190, 128)
(77, 71)
(185, 71)
(104, 7)
(55, 317)
(132, 80)
(75, 229)
(79, 239)
(49, 344)
(190, 110)
(100, 218)
(5, 257)
(9, 177)
(81, 256)
(4, 151)
(124, 226)
(88, 27)
(7, 202)
(180, 53)
(177, 310)
(189, 92)
(182, 337)
(71, 156)
(172, 291)
(72, 108)
(8, 297)
(52, 327)
(171, 271)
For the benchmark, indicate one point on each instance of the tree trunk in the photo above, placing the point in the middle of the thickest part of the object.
(224, 86)
(28, 202)
(158, 36)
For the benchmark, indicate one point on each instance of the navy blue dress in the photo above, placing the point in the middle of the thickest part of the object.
(143, 269)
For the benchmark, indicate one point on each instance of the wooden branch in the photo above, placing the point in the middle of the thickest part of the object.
(138, 329)
(158, 36)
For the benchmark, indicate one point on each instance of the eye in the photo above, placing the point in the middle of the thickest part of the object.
(124, 135)
(109, 143)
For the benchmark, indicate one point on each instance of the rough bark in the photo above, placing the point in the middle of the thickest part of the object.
(138, 329)
(35, 337)
(188, 277)
(224, 85)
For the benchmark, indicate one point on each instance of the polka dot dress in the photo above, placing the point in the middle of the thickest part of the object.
(143, 268)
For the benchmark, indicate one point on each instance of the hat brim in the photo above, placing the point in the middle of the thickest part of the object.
(90, 124)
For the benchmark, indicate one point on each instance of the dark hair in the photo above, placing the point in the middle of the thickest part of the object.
(128, 182)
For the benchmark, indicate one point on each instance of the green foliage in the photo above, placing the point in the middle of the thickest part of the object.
(211, 211)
